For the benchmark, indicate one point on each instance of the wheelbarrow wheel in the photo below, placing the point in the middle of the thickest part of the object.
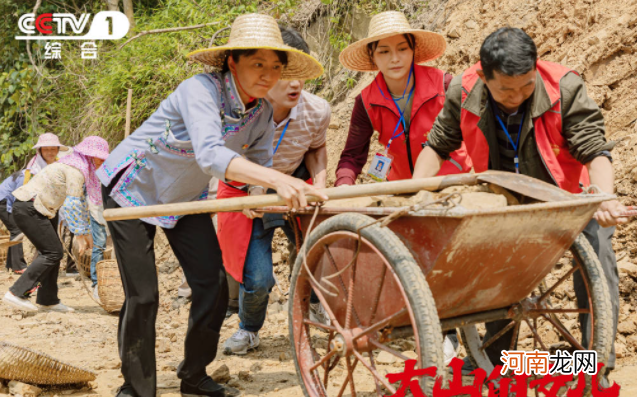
(550, 311)
(380, 308)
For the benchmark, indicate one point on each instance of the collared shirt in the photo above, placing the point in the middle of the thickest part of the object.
(55, 186)
(8, 186)
(512, 122)
(193, 135)
(307, 130)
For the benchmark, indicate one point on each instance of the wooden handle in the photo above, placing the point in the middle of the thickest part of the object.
(269, 200)
(129, 101)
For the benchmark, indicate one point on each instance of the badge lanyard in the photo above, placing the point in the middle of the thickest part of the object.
(381, 162)
(515, 145)
(281, 137)
(401, 120)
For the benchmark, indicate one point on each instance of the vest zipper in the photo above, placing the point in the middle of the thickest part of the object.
(411, 161)
(542, 158)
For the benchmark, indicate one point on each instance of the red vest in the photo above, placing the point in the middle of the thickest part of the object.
(564, 168)
(428, 100)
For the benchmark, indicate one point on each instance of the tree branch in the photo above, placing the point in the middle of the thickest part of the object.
(140, 34)
(35, 10)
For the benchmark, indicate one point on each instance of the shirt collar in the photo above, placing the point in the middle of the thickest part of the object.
(477, 98)
(292, 116)
(232, 92)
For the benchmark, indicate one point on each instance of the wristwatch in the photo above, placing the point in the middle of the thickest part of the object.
(252, 187)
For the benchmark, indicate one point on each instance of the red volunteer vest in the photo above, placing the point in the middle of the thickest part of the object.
(429, 98)
(564, 168)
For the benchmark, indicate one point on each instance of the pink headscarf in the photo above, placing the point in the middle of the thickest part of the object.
(92, 146)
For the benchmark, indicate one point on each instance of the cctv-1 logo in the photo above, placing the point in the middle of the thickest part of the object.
(106, 25)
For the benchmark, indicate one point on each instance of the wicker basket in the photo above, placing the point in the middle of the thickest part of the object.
(25, 365)
(84, 262)
(109, 285)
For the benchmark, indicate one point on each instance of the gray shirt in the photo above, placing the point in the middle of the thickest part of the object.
(193, 135)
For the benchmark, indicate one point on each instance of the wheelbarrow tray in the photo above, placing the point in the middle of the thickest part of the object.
(474, 260)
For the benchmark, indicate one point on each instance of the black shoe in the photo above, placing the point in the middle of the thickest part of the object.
(126, 390)
(467, 367)
(207, 387)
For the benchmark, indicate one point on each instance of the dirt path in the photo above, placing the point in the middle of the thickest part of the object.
(88, 338)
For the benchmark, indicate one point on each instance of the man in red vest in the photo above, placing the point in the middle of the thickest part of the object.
(519, 114)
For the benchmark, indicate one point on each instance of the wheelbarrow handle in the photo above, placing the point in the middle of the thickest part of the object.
(270, 200)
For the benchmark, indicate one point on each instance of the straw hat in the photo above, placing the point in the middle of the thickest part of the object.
(429, 45)
(49, 139)
(254, 31)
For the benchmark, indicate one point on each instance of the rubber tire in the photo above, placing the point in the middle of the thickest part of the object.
(593, 274)
(409, 274)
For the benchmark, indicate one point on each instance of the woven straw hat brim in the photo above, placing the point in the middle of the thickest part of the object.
(429, 46)
(301, 66)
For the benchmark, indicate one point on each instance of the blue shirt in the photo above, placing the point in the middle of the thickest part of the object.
(8, 186)
(191, 137)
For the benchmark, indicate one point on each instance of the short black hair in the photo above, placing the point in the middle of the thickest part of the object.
(294, 39)
(236, 54)
(371, 47)
(509, 51)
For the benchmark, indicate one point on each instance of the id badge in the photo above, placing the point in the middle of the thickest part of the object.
(380, 166)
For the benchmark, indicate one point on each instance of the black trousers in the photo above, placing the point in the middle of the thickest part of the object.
(195, 245)
(601, 240)
(15, 255)
(41, 231)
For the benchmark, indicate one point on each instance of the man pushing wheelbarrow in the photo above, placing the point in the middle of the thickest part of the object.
(519, 114)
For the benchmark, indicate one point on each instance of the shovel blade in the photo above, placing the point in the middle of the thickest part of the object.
(526, 186)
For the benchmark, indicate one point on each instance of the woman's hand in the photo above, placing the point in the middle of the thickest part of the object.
(83, 242)
(291, 189)
(294, 191)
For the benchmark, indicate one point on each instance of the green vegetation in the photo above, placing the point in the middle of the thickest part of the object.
(74, 97)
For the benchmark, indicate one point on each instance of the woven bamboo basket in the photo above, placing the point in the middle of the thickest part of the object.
(26, 365)
(108, 253)
(109, 285)
(84, 262)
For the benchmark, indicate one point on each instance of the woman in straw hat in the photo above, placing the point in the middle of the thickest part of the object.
(47, 150)
(214, 124)
(401, 103)
(60, 185)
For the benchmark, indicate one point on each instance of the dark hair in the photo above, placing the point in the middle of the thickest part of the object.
(236, 54)
(371, 47)
(294, 39)
(509, 51)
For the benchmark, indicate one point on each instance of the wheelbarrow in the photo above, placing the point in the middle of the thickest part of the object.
(393, 279)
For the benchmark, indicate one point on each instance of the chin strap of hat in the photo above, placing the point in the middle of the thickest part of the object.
(236, 78)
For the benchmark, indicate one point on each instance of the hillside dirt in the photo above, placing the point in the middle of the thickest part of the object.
(596, 38)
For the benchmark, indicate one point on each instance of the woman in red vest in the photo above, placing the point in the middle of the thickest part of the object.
(401, 103)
